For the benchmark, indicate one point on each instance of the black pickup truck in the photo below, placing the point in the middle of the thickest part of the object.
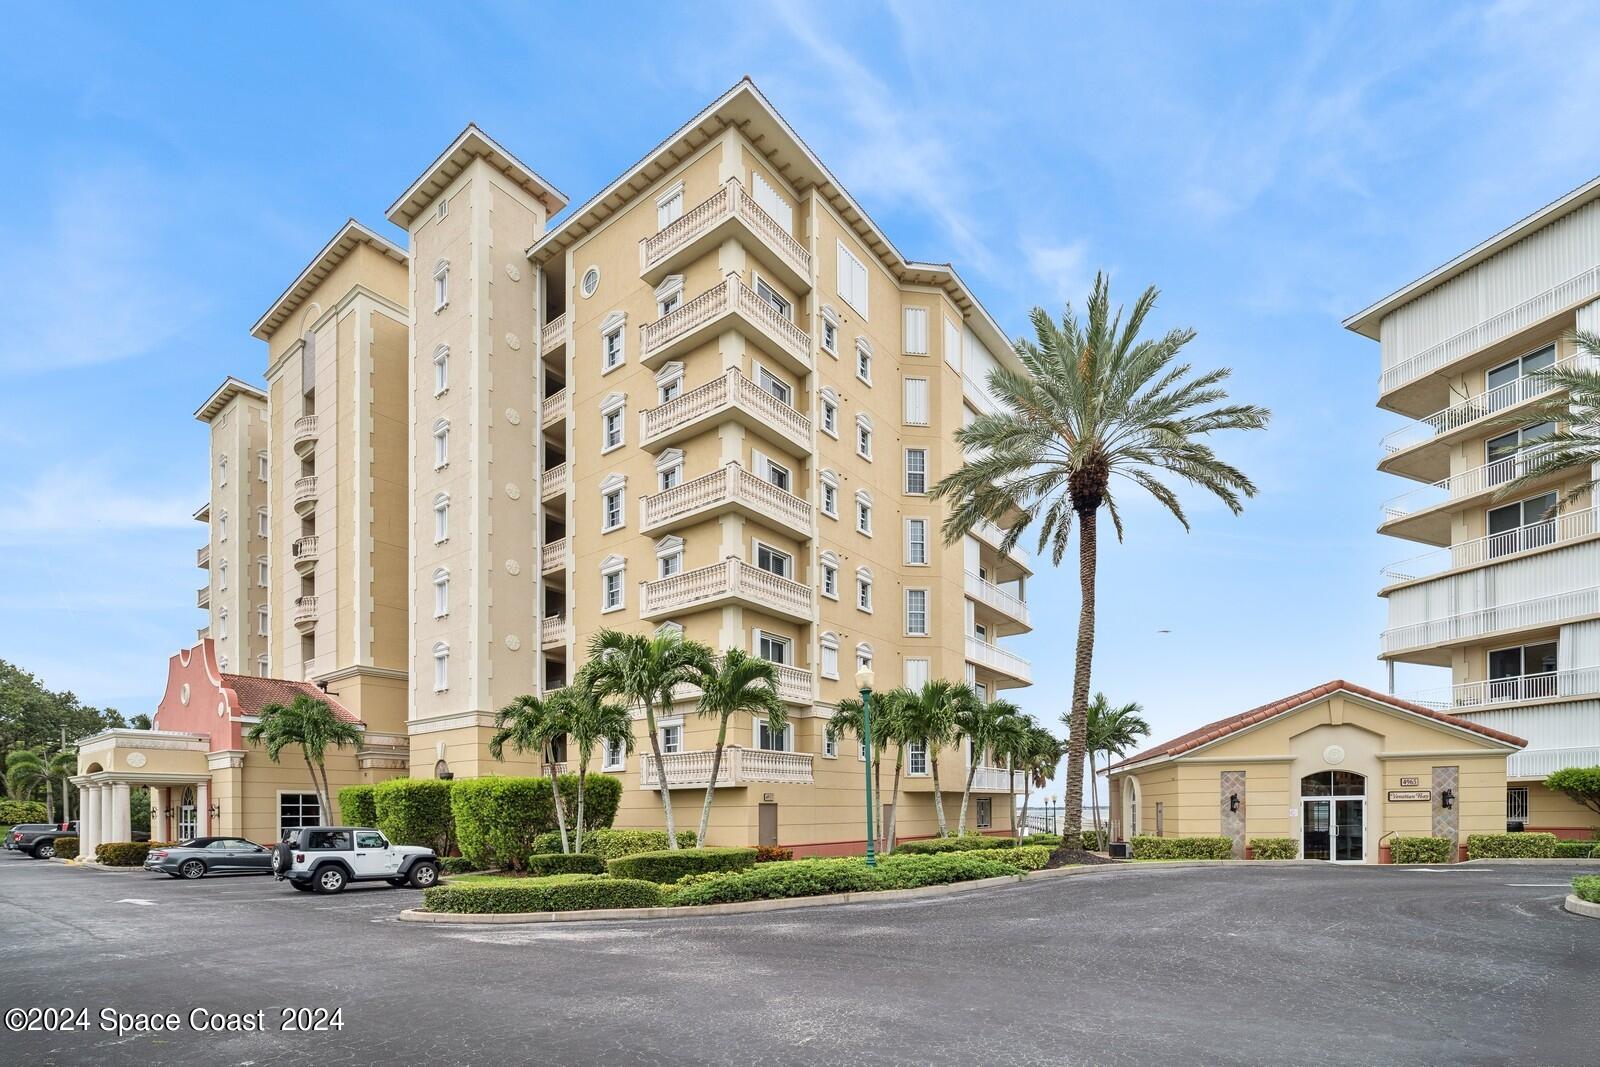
(38, 839)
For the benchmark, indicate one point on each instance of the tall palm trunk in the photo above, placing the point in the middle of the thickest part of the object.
(583, 777)
(1011, 797)
(555, 796)
(1094, 794)
(661, 773)
(711, 786)
(321, 789)
(1072, 818)
(894, 802)
(1027, 792)
(972, 773)
(938, 798)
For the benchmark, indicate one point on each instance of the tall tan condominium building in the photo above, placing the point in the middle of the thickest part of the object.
(1507, 594)
(237, 594)
(712, 398)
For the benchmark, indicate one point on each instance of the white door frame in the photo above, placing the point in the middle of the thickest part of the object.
(1333, 823)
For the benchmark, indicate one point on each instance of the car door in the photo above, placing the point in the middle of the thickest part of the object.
(253, 857)
(373, 856)
(221, 855)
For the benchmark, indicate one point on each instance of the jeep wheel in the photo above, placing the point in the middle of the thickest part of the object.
(44, 850)
(330, 879)
(282, 857)
(424, 874)
(303, 887)
(192, 869)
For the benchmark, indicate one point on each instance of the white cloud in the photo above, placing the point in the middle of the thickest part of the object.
(85, 501)
(1063, 271)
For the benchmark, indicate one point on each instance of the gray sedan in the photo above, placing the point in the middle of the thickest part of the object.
(210, 855)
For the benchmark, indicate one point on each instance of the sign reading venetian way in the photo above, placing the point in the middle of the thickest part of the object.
(1410, 794)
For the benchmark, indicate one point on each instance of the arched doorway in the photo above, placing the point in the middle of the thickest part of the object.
(188, 815)
(1333, 816)
(1130, 804)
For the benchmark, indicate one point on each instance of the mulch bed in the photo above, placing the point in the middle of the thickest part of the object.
(1073, 857)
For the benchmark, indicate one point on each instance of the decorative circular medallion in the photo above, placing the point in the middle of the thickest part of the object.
(183, 695)
(222, 709)
(1333, 755)
(513, 273)
(513, 342)
(513, 490)
(513, 416)
(513, 642)
(513, 568)
(136, 760)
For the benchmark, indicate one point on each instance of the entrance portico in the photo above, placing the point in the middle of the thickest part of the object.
(111, 764)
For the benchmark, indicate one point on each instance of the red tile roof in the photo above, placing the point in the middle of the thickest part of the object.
(256, 693)
(1234, 723)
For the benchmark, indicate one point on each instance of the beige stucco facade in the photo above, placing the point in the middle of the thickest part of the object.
(237, 595)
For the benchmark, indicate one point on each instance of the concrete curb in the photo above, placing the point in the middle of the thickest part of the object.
(1581, 907)
(91, 865)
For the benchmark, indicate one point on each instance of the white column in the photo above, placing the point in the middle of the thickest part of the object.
(202, 804)
(121, 812)
(159, 830)
(88, 819)
(108, 825)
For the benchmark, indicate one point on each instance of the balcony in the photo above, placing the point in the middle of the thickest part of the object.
(995, 780)
(732, 580)
(554, 482)
(304, 553)
(739, 767)
(202, 557)
(796, 685)
(732, 396)
(555, 632)
(1540, 763)
(978, 394)
(1007, 605)
(553, 335)
(554, 556)
(728, 305)
(305, 495)
(556, 409)
(729, 212)
(1011, 669)
(730, 489)
(1553, 685)
(304, 435)
(202, 597)
(992, 535)
(1494, 548)
(304, 616)
(1404, 642)
(1423, 514)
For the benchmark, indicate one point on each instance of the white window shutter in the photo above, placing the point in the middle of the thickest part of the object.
(952, 344)
(772, 202)
(916, 331)
(916, 401)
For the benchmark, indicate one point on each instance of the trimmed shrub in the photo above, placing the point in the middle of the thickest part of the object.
(356, 806)
(1581, 784)
(1273, 848)
(1182, 848)
(1595, 854)
(13, 812)
(562, 892)
(126, 853)
(571, 863)
(1023, 857)
(1587, 887)
(67, 848)
(613, 844)
(498, 817)
(809, 878)
(1089, 841)
(668, 865)
(1047, 840)
(456, 865)
(773, 854)
(1423, 850)
(1511, 846)
(1574, 850)
(911, 872)
(415, 811)
(965, 843)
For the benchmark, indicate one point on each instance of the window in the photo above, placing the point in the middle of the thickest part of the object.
(916, 331)
(441, 667)
(611, 431)
(441, 518)
(441, 444)
(441, 285)
(441, 593)
(1499, 388)
(863, 657)
(262, 630)
(263, 466)
(222, 526)
(297, 810)
(669, 207)
(864, 590)
(612, 590)
(263, 524)
(830, 575)
(863, 513)
(830, 743)
(916, 471)
(612, 354)
(669, 381)
(830, 655)
(773, 561)
(443, 208)
(441, 369)
(262, 572)
(916, 671)
(917, 541)
(591, 282)
(830, 413)
(774, 385)
(773, 471)
(1523, 672)
(981, 632)
(770, 740)
(669, 476)
(916, 401)
(917, 758)
(669, 295)
(863, 437)
(222, 575)
(830, 494)
(615, 756)
(1503, 454)
(830, 331)
(671, 737)
(852, 280)
(952, 344)
(985, 807)
(669, 554)
(1517, 803)
(222, 471)
(261, 666)
(1526, 524)
(773, 648)
(863, 360)
(774, 299)
(611, 510)
(917, 612)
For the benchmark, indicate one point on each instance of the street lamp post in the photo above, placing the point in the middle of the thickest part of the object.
(864, 681)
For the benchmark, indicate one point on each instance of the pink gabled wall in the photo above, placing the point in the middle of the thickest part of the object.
(210, 710)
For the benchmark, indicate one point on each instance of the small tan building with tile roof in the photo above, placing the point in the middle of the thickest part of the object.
(1338, 768)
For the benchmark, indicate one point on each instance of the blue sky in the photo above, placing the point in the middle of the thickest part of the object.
(1271, 167)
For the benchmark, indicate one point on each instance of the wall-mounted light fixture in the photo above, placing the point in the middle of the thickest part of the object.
(215, 810)
(1447, 799)
(1233, 801)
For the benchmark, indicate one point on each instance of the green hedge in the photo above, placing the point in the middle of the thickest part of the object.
(1511, 846)
(1047, 840)
(67, 848)
(669, 865)
(773, 854)
(809, 878)
(613, 844)
(499, 817)
(965, 843)
(14, 812)
(356, 806)
(456, 865)
(562, 892)
(1423, 850)
(1574, 850)
(1273, 848)
(1023, 857)
(1182, 848)
(1587, 887)
(1595, 855)
(573, 863)
(126, 853)
(415, 811)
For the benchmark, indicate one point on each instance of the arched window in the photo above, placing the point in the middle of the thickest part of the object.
(441, 593)
(1333, 784)
(222, 624)
(830, 655)
(441, 284)
(441, 443)
(222, 526)
(222, 471)
(863, 657)
(441, 369)
(441, 518)
(441, 667)
(222, 574)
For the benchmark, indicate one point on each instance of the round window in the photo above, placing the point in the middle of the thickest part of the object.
(591, 281)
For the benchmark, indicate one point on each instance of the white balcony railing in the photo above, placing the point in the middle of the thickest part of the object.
(554, 334)
(305, 491)
(730, 297)
(731, 391)
(305, 434)
(1480, 550)
(304, 615)
(553, 482)
(555, 631)
(728, 202)
(1530, 311)
(993, 536)
(1468, 483)
(202, 556)
(795, 685)
(995, 780)
(978, 393)
(732, 485)
(998, 660)
(739, 766)
(553, 556)
(1518, 615)
(1537, 763)
(304, 551)
(732, 579)
(202, 597)
(991, 595)
(1481, 406)
(556, 408)
(1580, 681)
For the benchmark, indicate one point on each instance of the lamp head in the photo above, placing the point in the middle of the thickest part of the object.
(864, 678)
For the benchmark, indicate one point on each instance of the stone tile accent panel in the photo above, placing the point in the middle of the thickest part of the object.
(1446, 822)
(1232, 782)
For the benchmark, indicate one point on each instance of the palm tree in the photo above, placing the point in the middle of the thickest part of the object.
(1110, 732)
(645, 670)
(739, 683)
(592, 721)
(1093, 403)
(311, 724)
(1041, 756)
(849, 718)
(979, 722)
(1010, 744)
(28, 772)
(1575, 409)
(929, 715)
(532, 724)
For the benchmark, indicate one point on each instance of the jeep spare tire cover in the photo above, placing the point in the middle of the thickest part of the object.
(282, 857)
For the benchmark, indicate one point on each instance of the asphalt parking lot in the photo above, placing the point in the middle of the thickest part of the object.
(1247, 965)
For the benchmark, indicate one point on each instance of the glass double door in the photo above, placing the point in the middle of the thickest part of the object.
(1334, 828)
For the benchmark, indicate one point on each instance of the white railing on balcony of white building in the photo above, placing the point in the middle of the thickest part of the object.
(1501, 397)
(1479, 550)
(1518, 615)
(1550, 685)
(1539, 762)
(554, 333)
(1468, 483)
(992, 595)
(998, 659)
(739, 765)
